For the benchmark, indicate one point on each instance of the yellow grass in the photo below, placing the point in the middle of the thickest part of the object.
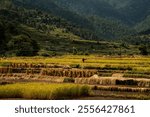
(137, 63)
(43, 91)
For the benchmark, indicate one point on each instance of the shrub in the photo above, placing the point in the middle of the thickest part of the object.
(69, 80)
(75, 66)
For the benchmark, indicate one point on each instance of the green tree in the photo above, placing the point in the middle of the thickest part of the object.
(2, 39)
(143, 50)
(23, 46)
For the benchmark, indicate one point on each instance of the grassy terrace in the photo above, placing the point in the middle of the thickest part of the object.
(134, 67)
(133, 81)
(109, 63)
(43, 91)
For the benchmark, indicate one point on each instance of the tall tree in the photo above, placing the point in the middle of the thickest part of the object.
(2, 39)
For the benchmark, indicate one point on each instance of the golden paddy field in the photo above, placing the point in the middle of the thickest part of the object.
(125, 77)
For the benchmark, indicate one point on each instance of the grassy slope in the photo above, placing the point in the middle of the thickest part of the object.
(58, 41)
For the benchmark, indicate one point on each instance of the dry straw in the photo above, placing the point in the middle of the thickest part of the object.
(114, 81)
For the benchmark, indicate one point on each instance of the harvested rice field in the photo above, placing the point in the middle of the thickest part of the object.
(104, 77)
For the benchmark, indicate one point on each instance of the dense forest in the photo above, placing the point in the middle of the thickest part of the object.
(51, 27)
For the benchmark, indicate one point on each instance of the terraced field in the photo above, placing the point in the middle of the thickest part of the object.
(107, 77)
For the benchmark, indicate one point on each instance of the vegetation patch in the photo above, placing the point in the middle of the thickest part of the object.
(5, 64)
(43, 91)
(120, 89)
(137, 75)
(5, 82)
(69, 80)
(114, 81)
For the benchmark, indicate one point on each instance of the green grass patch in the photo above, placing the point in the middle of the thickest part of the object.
(69, 80)
(5, 64)
(43, 91)
(136, 75)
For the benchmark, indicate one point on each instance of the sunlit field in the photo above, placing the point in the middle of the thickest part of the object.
(43, 91)
(136, 63)
(117, 74)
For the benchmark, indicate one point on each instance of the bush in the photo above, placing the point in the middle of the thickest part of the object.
(126, 82)
(69, 80)
(75, 66)
(143, 50)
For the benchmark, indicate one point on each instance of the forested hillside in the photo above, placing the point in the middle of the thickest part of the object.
(78, 13)
(50, 27)
(16, 21)
(126, 11)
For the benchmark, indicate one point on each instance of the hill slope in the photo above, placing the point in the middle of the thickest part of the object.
(78, 13)
(49, 27)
